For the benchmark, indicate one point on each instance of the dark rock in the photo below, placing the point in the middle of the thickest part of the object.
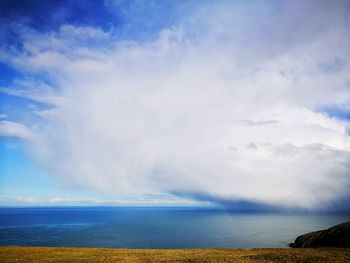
(336, 236)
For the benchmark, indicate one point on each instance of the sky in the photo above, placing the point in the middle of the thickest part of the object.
(242, 104)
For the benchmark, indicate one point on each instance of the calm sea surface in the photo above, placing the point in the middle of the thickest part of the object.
(155, 227)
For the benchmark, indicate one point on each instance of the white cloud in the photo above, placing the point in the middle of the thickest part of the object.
(147, 200)
(231, 112)
(18, 130)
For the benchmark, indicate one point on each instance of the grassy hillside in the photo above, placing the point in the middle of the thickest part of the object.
(45, 254)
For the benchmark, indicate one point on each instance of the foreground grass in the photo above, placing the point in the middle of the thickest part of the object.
(46, 254)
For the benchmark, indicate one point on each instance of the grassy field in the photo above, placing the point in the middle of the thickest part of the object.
(45, 254)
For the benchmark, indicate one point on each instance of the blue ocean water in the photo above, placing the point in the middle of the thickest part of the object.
(150, 227)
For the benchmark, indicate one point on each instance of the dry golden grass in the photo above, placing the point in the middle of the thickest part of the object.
(46, 254)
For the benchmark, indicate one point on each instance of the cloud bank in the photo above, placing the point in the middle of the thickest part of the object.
(229, 103)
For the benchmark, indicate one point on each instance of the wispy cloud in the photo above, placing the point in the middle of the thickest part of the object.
(36, 91)
(18, 130)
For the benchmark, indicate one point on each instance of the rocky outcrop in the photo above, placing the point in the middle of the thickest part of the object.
(336, 236)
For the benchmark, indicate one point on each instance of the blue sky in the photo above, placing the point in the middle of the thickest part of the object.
(175, 102)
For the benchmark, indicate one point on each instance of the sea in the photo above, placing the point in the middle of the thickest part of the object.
(156, 227)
